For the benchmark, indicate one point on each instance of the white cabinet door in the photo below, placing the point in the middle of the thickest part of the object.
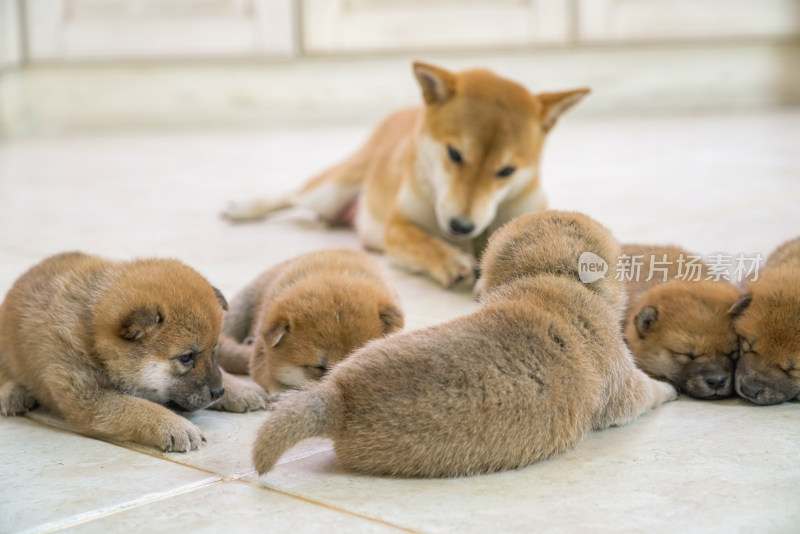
(158, 29)
(646, 20)
(331, 26)
(10, 35)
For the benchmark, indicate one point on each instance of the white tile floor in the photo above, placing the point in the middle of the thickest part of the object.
(716, 183)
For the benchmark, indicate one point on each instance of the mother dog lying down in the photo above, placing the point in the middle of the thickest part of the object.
(525, 377)
(431, 182)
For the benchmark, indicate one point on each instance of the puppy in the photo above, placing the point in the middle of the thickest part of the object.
(766, 317)
(528, 375)
(431, 181)
(297, 320)
(113, 347)
(679, 330)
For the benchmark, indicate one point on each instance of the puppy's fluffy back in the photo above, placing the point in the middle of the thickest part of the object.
(551, 242)
(786, 254)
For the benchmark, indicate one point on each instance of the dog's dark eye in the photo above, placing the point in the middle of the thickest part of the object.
(455, 155)
(506, 171)
(186, 359)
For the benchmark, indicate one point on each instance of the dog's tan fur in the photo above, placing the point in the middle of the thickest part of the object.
(306, 315)
(679, 329)
(528, 375)
(407, 194)
(100, 343)
(767, 317)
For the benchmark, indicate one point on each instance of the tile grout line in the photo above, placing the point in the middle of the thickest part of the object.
(238, 478)
(86, 517)
(323, 505)
(219, 479)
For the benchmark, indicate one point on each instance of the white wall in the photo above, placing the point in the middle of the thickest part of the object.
(122, 63)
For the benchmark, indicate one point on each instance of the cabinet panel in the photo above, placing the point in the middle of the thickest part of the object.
(158, 29)
(331, 26)
(643, 20)
(10, 35)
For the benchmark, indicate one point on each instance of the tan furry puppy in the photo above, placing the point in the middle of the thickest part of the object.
(680, 330)
(431, 182)
(112, 346)
(305, 315)
(528, 375)
(767, 317)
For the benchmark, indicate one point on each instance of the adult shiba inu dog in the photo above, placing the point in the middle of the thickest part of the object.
(432, 183)
(112, 346)
(525, 377)
(767, 318)
(678, 327)
(305, 315)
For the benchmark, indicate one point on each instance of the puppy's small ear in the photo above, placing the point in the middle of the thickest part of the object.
(139, 323)
(392, 318)
(276, 333)
(438, 85)
(644, 320)
(220, 298)
(555, 104)
(740, 305)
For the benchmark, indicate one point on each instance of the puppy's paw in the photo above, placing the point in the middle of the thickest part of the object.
(15, 400)
(178, 435)
(241, 395)
(459, 270)
(668, 393)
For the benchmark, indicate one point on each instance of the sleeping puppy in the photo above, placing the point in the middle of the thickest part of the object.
(680, 330)
(297, 320)
(766, 317)
(527, 376)
(114, 347)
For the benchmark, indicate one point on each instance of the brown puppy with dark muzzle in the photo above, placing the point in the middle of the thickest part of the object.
(112, 346)
(679, 329)
(527, 376)
(767, 318)
(297, 320)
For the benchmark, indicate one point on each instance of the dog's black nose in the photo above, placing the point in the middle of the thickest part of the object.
(751, 390)
(716, 382)
(461, 226)
(217, 393)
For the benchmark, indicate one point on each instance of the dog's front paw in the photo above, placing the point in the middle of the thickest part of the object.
(15, 400)
(241, 395)
(177, 434)
(242, 211)
(459, 270)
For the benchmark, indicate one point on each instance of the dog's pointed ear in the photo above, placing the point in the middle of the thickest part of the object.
(438, 85)
(392, 318)
(139, 323)
(645, 319)
(740, 305)
(555, 104)
(275, 333)
(220, 298)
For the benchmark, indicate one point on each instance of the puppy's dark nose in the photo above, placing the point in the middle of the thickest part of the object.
(217, 393)
(716, 382)
(461, 226)
(751, 390)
